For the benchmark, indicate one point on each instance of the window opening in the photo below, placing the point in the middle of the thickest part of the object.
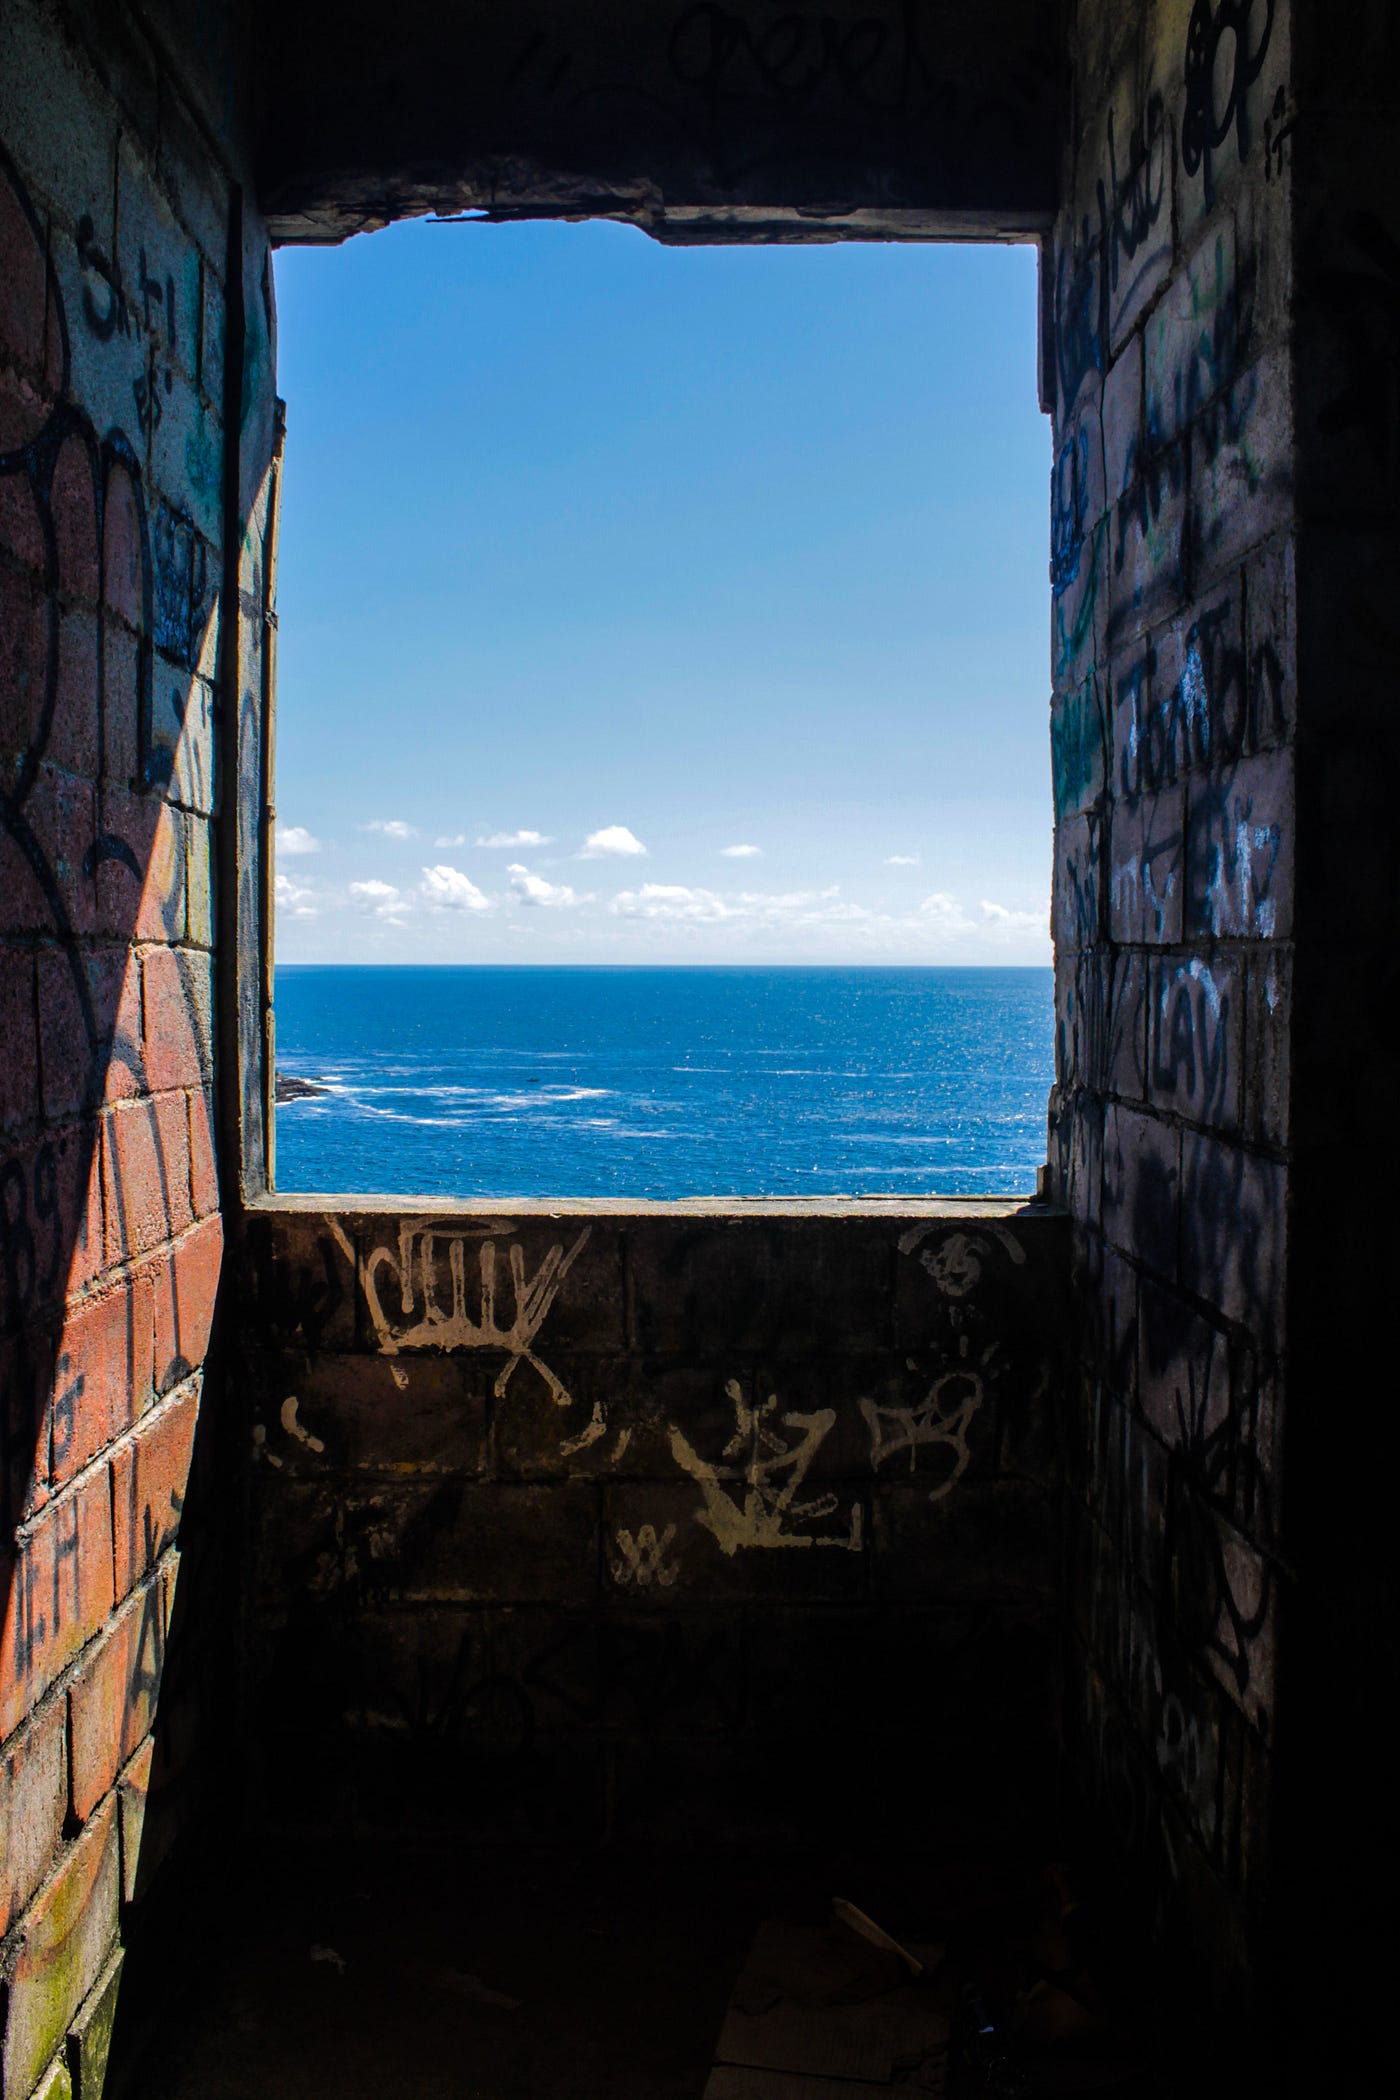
(660, 777)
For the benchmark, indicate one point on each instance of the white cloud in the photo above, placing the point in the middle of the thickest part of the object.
(296, 900)
(740, 852)
(533, 889)
(1000, 920)
(823, 922)
(380, 899)
(613, 842)
(458, 838)
(391, 827)
(902, 860)
(448, 889)
(512, 838)
(670, 900)
(945, 910)
(294, 838)
(674, 901)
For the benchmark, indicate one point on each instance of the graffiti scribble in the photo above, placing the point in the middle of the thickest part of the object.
(437, 1326)
(766, 1505)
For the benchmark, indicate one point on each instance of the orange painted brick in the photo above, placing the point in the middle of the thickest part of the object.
(33, 1804)
(23, 284)
(65, 1939)
(133, 1792)
(74, 1157)
(141, 871)
(30, 330)
(121, 705)
(117, 997)
(146, 1172)
(185, 1294)
(89, 1027)
(19, 1045)
(23, 412)
(26, 1380)
(21, 536)
(73, 504)
(61, 812)
(53, 1202)
(177, 1007)
(23, 661)
(124, 568)
(112, 1700)
(173, 1131)
(204, 1172)
(67, 1030)
(58, 1595)
(72, 735)
(102, 1372)
(150, 1473)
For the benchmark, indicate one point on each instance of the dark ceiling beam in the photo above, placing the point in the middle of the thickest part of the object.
(757, 119)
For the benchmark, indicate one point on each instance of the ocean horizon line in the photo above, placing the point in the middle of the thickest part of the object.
(662, 1079)
(989, 969)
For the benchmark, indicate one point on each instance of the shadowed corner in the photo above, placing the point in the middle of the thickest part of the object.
(110, 1236)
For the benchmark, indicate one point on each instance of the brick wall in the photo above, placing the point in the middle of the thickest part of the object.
(115, 213)
(1173, 723)
(691, 1525)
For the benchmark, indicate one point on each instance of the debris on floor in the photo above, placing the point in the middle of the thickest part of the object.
(463, 1985)
(820, 2005)
(847, 2011)
(588, 1976)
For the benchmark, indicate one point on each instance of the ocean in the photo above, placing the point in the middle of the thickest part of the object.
(643, 1082)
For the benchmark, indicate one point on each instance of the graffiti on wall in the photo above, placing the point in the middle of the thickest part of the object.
(644, 1558)
(97, 585)
(939, 1422)
(471, 1315)
(78, 488)
(753, 1492)
(1134, 199)
(1227, 42)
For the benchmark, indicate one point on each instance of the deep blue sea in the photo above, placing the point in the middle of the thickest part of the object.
(664, 1082)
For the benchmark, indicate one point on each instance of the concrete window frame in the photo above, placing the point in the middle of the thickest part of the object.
(256, 1135)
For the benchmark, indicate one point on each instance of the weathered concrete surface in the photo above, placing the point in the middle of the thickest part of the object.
(1173, 724)
(696, 1523)
(860, 118)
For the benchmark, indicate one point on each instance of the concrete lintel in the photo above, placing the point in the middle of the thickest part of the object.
(654, 110)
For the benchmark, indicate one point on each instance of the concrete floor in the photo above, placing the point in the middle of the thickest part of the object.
(528, 1977)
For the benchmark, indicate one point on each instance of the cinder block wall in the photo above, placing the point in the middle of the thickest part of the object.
(118, 160)
(690, 1527)
(1173, 727)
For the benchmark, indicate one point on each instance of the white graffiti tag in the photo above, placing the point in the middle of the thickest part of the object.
(642, 1559)
(429, 1324)
(942, 1418)
(766, 1504)
(956, 1260)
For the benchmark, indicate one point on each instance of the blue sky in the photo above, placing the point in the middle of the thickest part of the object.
(653, 605)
